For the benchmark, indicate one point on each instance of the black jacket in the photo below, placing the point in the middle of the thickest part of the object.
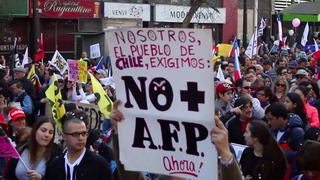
(92, 166)
(235, 131)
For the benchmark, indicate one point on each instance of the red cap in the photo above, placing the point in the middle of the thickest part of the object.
(223, 87)
(16, 113)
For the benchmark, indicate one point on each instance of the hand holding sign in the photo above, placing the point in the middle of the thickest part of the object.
(116, 116)
(219, 137)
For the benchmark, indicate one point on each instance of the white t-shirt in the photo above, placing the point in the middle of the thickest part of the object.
(68, 165)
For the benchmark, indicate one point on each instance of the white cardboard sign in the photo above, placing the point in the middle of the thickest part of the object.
(164, 80)
(95, 51)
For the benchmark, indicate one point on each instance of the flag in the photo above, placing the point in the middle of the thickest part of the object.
(100, 64)
(279, 28)
(15, 53)
(55, 101)
(262, 26)
(237, 73)
(224, 50)
(108, 61)
(6, 147)
(104, 102)
(33, 77)
(220, 75)
(304, 38)
(252, 47)
(40, 50)
(25, 58)
(59, 62)
(316, 48)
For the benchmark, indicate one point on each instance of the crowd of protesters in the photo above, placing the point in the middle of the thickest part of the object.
(273, 108)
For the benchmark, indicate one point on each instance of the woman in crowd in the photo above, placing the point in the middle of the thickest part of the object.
(263, 159)
(312, 112)
(280, 88)
(294, 104)
(37, 154)
(67, 90)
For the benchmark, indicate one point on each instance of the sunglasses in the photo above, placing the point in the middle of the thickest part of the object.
(281, 85)
(247, 87)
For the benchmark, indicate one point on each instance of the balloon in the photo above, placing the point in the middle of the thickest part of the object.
(291, 32)
(295, 22)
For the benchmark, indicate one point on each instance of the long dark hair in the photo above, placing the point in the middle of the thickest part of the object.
(272, 153)
(299, 109)
(33, 144)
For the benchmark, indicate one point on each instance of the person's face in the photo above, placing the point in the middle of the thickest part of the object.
(266, 67)
(301, 78)
(247, 136)
(246, 88)
(18, 75)
(280, 86)
(251, 77)
(227, 96)
(230, 68)
(276, 123)
(61, 83)
(44, 134)
(253, 62)
(289, 104)
(18, 124)
(247, 62)
(282, 63)
(84, 54)
(69, 84)
(258, 70)
(246, 111)
(16, 90)
(262, 97)
(75, 135)
(304, 99)
(267, 82)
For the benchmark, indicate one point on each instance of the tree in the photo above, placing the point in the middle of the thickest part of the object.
(195, 5)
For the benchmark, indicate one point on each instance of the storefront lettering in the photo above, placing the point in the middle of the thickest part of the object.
(66, 6)
(119, 12)
(8, 47)
(198, 15)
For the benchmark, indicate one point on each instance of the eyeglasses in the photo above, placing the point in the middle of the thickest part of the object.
(284, 72)
(300, 76)
(247, 87)
(77, 134)
(281, 85)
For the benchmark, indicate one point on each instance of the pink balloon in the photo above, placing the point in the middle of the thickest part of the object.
(295, 22)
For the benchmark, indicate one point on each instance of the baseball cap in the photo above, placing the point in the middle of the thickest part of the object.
(16, 113)
(19, 69)
(302, 72)
(223, 87)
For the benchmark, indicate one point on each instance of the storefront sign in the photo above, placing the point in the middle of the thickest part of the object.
(125, 10)
(168, 13)
(69, 9)
(14, 7)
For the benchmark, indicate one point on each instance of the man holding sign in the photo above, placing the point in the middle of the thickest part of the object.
(168, 117)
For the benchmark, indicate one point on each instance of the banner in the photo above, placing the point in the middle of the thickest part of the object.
(6, 147)
(59, 62)
(164, 80)
(77, 70)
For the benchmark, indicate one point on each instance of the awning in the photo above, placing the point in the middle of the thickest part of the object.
(306, 12)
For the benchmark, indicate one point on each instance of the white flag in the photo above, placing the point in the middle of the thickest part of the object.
(25, 58)
(279, 28)
(316, 48)
(252, 47)
(304, 38)
(59, 62)
(261, 27)
(220, 75)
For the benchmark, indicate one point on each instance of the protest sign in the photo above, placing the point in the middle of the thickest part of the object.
(59, 62)
(238, 149)
(164, 79)
(95, 51)
(77, 70)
